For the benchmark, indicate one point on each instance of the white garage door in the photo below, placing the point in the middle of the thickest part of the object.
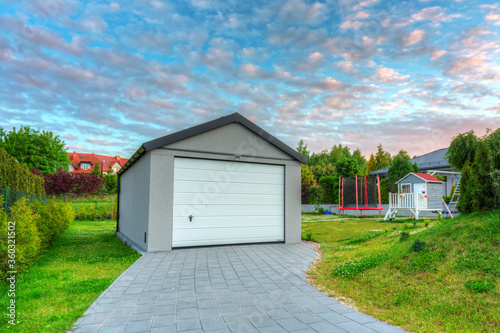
(219, 202)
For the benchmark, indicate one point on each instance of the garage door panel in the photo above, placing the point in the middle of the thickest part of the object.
(214, 222)
(231, 202)
(234, 199)
(227, 210)
(211, 165)
(203, 236)
(227, 177)
(188, 186)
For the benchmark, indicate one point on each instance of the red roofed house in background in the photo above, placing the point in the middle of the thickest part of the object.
(85, 163)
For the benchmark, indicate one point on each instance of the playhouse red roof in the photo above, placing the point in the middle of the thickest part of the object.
(427, 177)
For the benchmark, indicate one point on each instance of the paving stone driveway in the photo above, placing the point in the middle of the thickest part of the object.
(254, 288)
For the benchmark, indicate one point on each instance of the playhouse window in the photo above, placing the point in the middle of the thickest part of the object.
(406, 188)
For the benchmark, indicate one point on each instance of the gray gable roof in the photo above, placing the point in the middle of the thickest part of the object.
(431, 161)
(208, 126)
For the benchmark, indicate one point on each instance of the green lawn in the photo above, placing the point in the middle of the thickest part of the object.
(451, 285)
(68, 277)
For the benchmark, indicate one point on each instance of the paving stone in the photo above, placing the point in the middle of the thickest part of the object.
(138, 326)
(186, 313)
(360, 317)
(211, 324)
(188, 324)
(354, 327)
(162, 321)
(112, 329)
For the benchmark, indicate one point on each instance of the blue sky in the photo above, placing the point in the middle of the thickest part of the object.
(108, 76)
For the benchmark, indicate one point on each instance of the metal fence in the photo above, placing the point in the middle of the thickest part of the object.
(10, 197)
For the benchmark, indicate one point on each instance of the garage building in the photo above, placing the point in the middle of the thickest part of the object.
(223, 182)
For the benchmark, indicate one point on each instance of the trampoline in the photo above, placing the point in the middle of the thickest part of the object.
(359, 193)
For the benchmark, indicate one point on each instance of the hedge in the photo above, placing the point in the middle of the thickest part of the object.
(36, 227)
(16, 176)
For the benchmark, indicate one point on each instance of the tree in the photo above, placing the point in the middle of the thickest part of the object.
(484, 187)
(382, 158)
(338, 153)
(462, 149)
(493, 142)
(96, 170)
(348, 167)
(330, 187)
(110, 182)
(302, 149)
(361, 160)
(60, 183)
(370, 166)
(318, 172)
(465, 204)
(306, 175)
(400, 167)
(87, 184)
(40, 150)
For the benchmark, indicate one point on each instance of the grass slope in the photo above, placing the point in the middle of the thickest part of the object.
(68, 277)
(451, 285)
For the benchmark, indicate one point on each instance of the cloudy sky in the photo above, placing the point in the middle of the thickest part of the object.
(109, 76)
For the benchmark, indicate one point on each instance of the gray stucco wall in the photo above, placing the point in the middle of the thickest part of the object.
(231, 139)
(134, 201)
(220, 144)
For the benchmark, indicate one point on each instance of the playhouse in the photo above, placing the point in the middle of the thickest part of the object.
(416, 192)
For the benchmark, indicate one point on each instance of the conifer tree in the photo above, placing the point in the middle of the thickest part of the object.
(483, 182)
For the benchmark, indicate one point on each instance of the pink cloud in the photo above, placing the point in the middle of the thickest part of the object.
(435, 14)
(388, 75)
(414, 37)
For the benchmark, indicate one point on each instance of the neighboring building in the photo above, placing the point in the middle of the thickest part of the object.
(85, 163)
(226, 181)
(433, 161)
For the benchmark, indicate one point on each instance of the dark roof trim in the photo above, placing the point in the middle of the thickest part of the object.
(208, 126)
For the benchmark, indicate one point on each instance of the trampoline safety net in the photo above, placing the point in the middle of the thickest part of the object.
(364, 195)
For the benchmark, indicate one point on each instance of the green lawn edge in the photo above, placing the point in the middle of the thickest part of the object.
(53, 293)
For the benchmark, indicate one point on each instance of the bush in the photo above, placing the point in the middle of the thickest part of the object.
(82, 213)
(418, 245)
(17, 176)
(103, 212)
(315, 194)
(36, 227)
(53, 218)
(27, 240)
(404, 236)
(92, 213)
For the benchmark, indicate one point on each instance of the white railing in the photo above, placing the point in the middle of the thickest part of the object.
(407, 200)
(402, 200)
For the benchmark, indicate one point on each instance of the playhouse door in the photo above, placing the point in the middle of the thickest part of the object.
(421, 191)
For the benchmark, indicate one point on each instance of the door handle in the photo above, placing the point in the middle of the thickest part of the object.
(191, 218)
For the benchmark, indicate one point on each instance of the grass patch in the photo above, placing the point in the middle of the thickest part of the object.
(68, 277)
(443, 276)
